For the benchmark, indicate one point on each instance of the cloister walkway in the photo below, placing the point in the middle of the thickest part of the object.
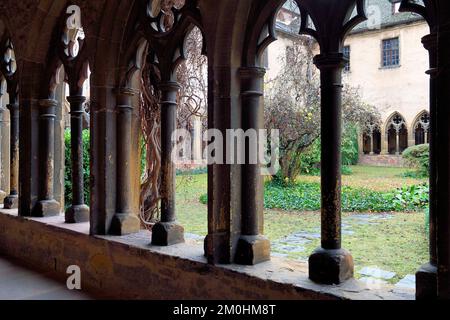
(20, 283)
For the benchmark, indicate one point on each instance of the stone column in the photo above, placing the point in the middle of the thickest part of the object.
(2, 193)
(426, 276)
(12, 200)
(443, 154)
(397, 141)
(78, 211)
(371, 142)
(124, 221)
(252, 247)
(46, 205)
(330, 264)
(168, 231)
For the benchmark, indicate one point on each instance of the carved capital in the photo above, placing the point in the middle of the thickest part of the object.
(252, 72)
(330, 60)
(48, 108)
(76, 99)
(169, 86)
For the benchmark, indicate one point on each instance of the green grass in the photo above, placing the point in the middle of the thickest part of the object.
(399, 244)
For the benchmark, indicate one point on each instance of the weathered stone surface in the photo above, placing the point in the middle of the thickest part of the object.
(252, 250)
(128, 267)
(426, 282)
(167, 234)
(122, 224)
(77, 214)
(409, 282)
(330, 266)
(46, 208)
(377, 273)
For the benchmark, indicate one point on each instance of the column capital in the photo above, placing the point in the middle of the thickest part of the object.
(46, 103)
(126, 91)
(251, 72)
(330, 60)
(169, 86)
(430, 41)
(76, 99)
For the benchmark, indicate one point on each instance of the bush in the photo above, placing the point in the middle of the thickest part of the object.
(310, 159)
(418, 157)
(204, 198)
(306, 197)
(68, 168)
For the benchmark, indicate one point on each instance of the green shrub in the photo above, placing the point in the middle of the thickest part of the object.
(204, 198)
(68, 168)
(418, 157)
(349, 145)
(310, 158)
(306, 196)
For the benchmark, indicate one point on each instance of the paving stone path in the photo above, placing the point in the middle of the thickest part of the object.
(294, 244)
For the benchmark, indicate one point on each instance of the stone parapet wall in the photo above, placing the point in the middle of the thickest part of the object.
(382, 160)
(128, 267)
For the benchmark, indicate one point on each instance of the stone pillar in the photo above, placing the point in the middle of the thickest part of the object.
(78, 211)
(168, 231)
(2, 111)
(443, 155)
(252, 247)
(330, 264)
(124, 221)
(371, 143)
(426, 276)
(397, 141)
(12, 200)
(46, 205)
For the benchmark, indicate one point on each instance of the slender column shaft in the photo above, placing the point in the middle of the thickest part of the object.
(168, 126)
(426, 276)
(371, 142)
(330, 264)
(78, 212)
(331, 114)
(167, 231)
(253, 113)
(2, 193)
(397, 142)
(443, 153)
(252, 247)
(430, 43)
(47, 205)
(11, 201)
(124, 222)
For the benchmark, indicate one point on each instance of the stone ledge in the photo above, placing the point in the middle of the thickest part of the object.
(128, 267)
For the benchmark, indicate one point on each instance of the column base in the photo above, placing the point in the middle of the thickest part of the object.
(46, 208)
(252, 250)
(217, 248)
(426, 282)
(77, 214)
(2, 195)
(124, 223)
(330, 266)
(11, 202)
(167, 234)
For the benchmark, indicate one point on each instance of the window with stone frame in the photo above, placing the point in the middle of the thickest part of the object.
(346, 51)
(390, 53)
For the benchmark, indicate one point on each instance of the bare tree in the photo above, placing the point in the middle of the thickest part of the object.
(292, 105)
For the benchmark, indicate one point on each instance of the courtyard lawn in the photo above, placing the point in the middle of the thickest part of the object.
(393, 242)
